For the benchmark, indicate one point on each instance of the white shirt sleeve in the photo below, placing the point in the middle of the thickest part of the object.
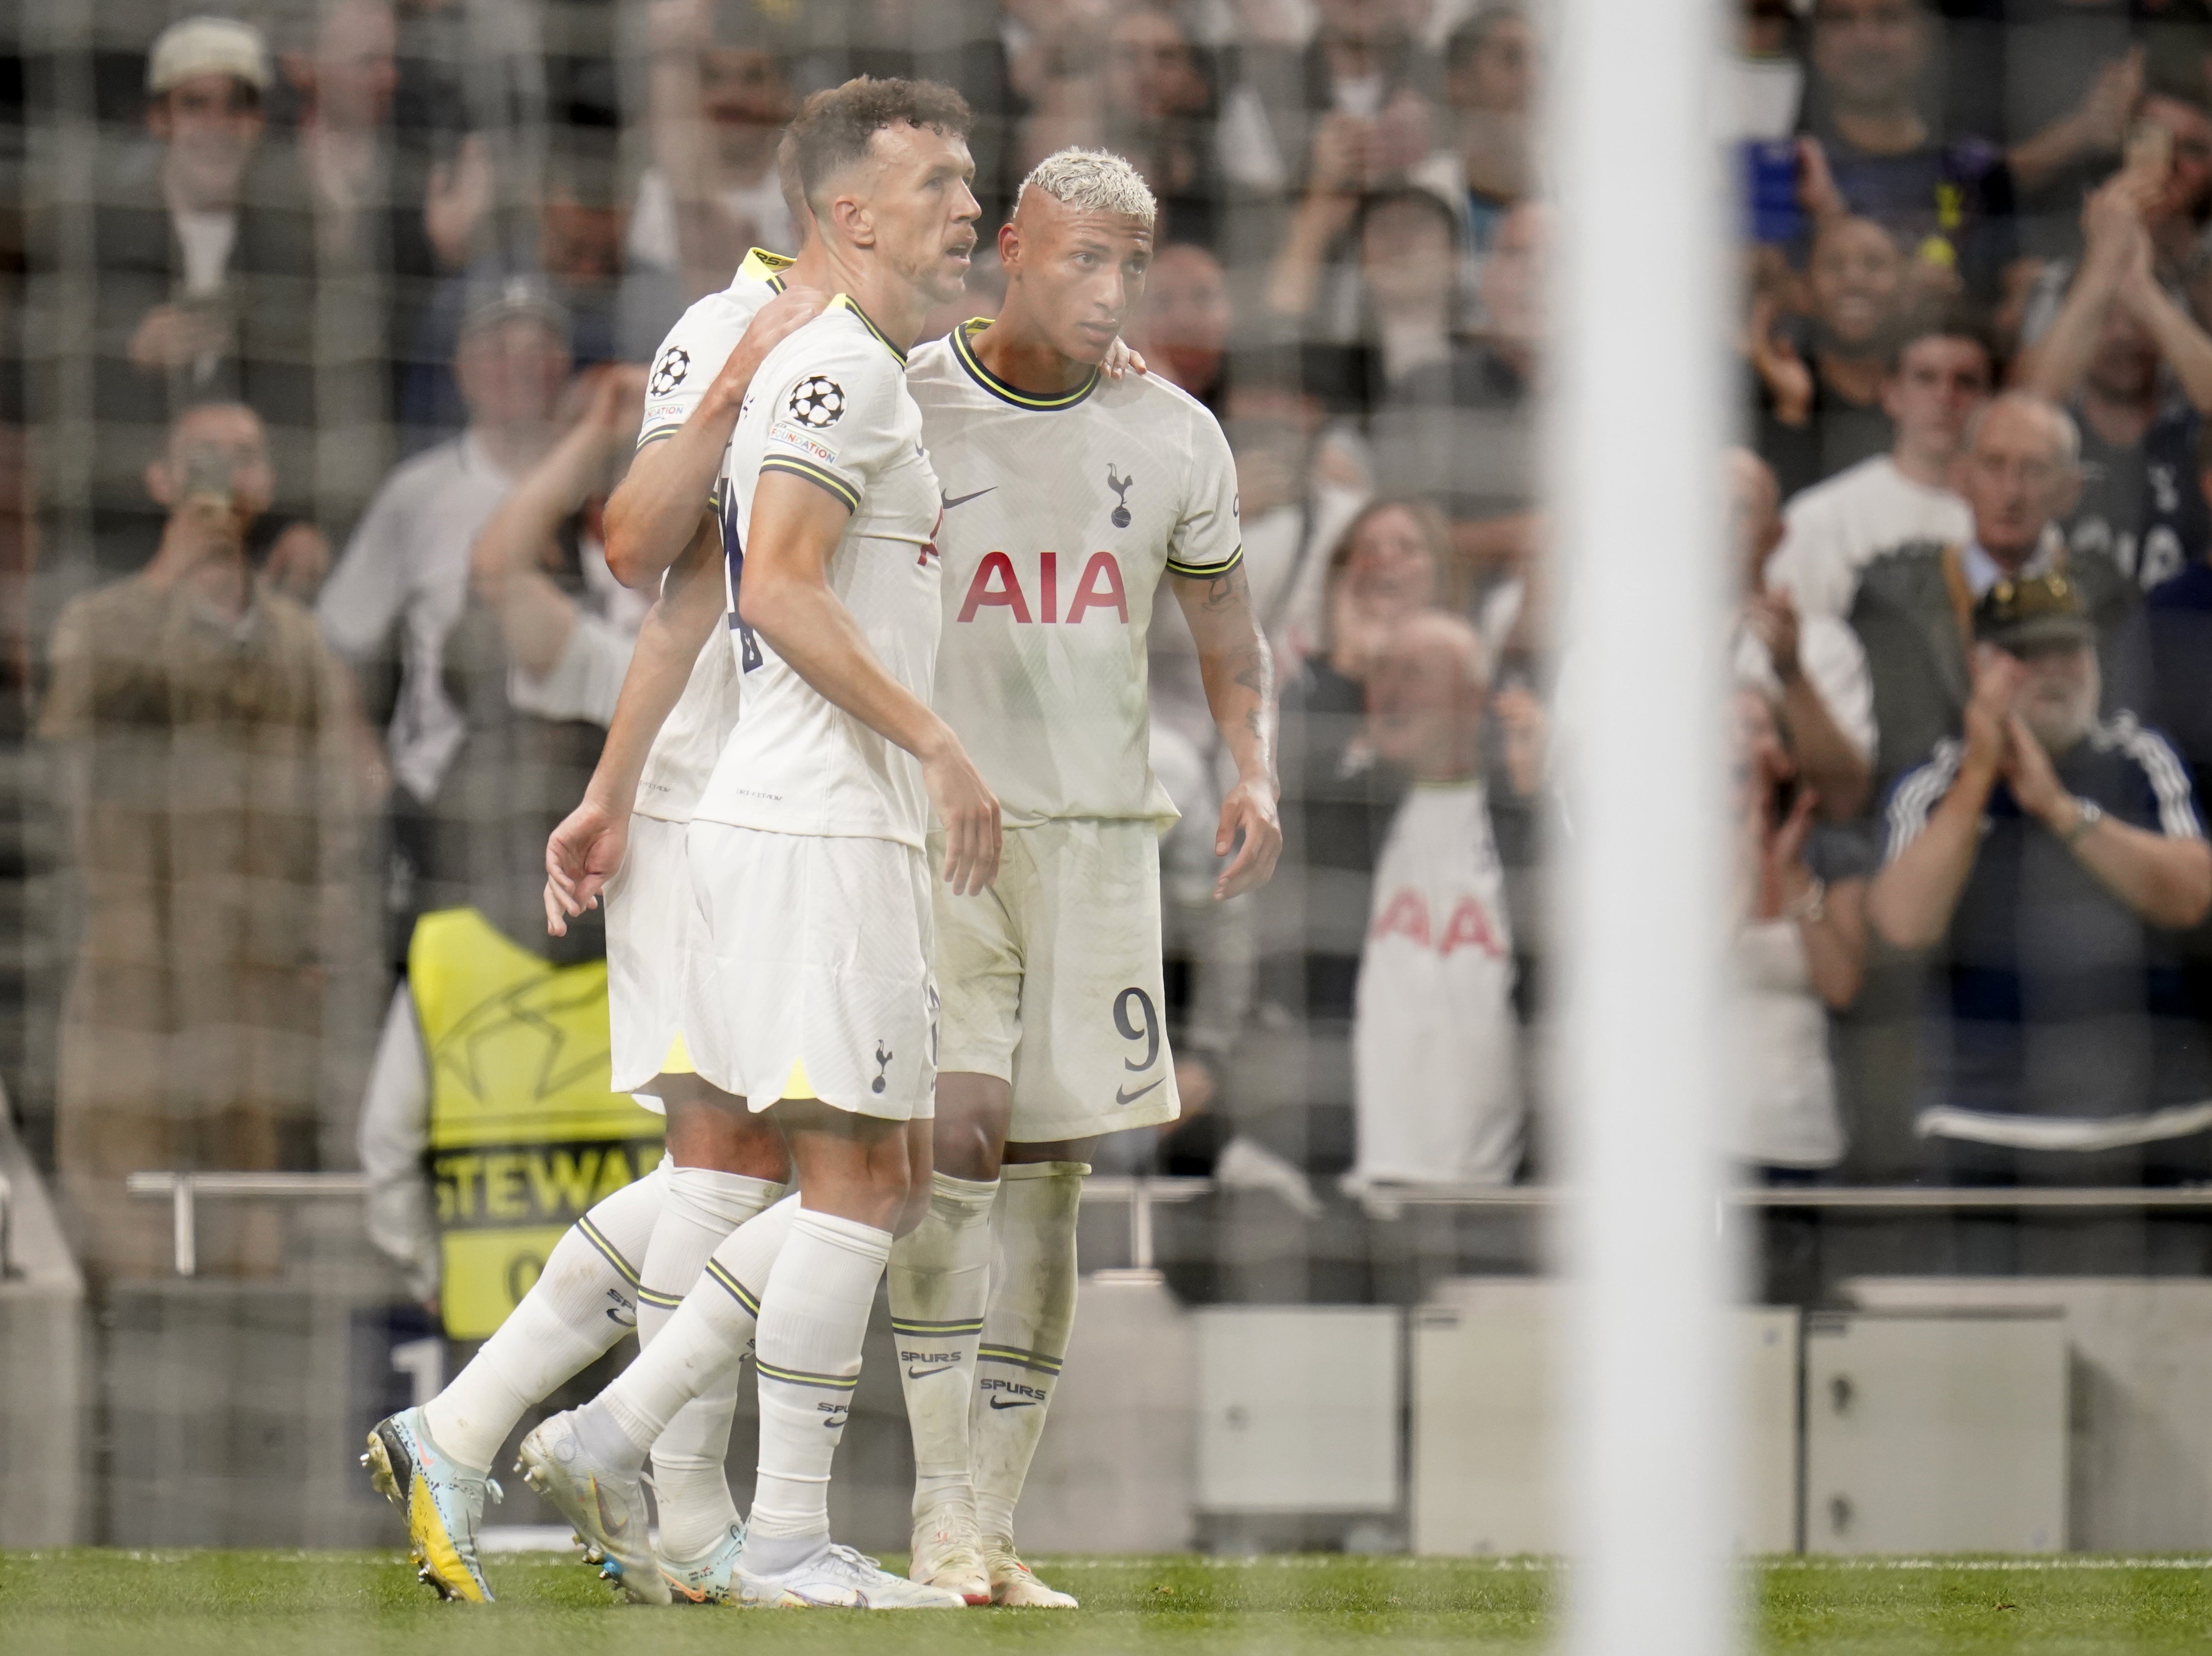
(1208, 539)
(685, 366)
(395, 1129)
(833, 413)
(1836, 663)
(361, 603)
(1810, 564)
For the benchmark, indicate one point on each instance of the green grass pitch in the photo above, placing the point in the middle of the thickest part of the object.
(246, 1603)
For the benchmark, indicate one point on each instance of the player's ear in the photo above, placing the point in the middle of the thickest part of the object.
(1009, 246)
(855, 223)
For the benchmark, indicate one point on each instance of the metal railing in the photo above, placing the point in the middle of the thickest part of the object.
(184, 1192)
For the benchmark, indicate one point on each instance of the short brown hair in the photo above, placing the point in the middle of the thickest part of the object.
(833, 126)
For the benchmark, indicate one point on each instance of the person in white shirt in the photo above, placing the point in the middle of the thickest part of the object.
(406, 567)
(1811, 665)
(812, 995)
(1939, 378)
(1071, 500)
(1437, 1089)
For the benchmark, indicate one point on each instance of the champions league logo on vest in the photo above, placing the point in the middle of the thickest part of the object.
(1120, 486)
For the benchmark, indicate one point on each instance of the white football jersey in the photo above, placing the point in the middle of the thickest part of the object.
(830, 405)
(1061, 513)
(691, 737)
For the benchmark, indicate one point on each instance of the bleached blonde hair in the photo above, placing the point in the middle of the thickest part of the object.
(1093, 181)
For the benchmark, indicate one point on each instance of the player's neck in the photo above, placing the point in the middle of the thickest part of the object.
(893, 304)
(1015, 349)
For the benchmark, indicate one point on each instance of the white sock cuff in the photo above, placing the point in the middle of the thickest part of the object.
(962, 1201)
(864, 1242)
(719, 1201)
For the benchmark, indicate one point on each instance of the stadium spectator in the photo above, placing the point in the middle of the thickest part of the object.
(1809, 666)
(1292, 1077)
(205, 259)
(1938, 376)
(1819, 407)
(1800, 950)
(1435, 1048)
(1452, 418)
(2050, 857)
(208, 742)
(2135, 371)
(1184, 326)
(1489, 163)
(718, 93)
(400, 587)
(373, 250)
(1153, 101)
(2020, 475)
(1355, 98)
(573, 251)
(2167, 176)
(1945, 198)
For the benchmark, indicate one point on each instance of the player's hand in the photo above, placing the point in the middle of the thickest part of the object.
(1122, 358)
(968, 812)
(1247, 809)
(582, 855)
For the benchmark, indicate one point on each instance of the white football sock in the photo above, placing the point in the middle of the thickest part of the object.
(940, 1282)
(1025, 1333)
(583, 1301)
(813, 1318)
(690, 1489)
(710, 1332)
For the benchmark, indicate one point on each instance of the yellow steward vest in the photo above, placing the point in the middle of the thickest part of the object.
(524, 1134)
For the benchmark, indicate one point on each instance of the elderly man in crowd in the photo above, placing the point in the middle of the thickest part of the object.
(206, 734)
(2020, 475)
(2051, 857)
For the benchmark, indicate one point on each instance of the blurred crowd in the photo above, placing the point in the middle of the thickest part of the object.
(325, 319)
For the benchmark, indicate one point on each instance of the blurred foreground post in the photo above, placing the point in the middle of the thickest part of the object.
(1636, 434)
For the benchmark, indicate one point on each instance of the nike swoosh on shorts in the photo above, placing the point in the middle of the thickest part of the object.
(1125, 1096)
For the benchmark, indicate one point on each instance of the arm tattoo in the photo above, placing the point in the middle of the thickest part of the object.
(1227, 589)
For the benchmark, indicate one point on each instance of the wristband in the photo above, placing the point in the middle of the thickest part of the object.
(2087, 814)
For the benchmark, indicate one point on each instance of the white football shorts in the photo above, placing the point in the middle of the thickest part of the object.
(1052, 980)
(811, 977)
(652, 928)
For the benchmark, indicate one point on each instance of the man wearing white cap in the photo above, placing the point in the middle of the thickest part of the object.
(206, 269)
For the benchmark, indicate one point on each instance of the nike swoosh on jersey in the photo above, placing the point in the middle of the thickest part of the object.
(1025, 1403)
(1125, 1096)
(951, 501)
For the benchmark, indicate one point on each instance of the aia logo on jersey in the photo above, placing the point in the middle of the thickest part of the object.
(997, 586)
(1406, 915)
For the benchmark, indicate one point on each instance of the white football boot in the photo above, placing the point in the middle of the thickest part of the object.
(1014, 1585)
(841, 1579)
(947, 1554)
(606, 1504)
(711, 1580)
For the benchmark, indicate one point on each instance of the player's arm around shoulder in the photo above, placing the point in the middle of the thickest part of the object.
(651, 514)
